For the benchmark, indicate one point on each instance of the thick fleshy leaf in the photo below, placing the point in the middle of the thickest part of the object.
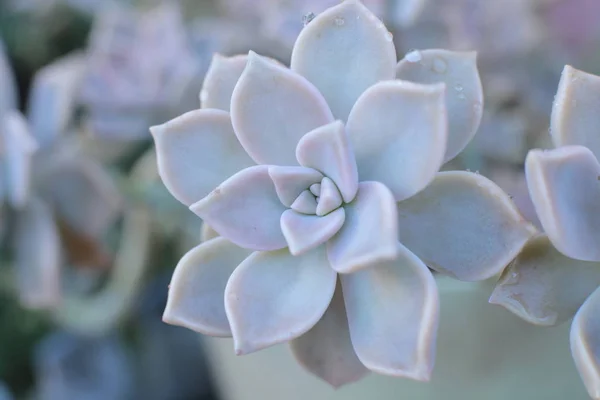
(306, 203)
(329, 197)
(370, 232)
(343, 51)
(463, 225)
(315, 189)
(326, 350)
(398, 131)
(197, 289)
(575, 116)
(220, 80)
(196, 152)
(291, 181)
(53, 96)
(565, 190)
(274, 297)
(305, 232)
(544, 287)
(464, 94)
(272, 108)
(327, 149)
(585, 342)
(246, 210)
(18, 147)
(37, 256)
(393, 312)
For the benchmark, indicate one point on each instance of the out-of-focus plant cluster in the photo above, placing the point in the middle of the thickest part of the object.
(89, 234)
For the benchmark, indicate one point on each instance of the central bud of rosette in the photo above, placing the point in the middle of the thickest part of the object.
(315, 191)
(320, 198)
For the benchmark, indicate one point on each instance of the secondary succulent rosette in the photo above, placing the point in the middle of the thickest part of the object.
(557, 274)
(319, 179)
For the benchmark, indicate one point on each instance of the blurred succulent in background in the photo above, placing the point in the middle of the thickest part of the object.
(140, 69)
(557, 274)
(71, 367)
(63, 205)
(293, 168)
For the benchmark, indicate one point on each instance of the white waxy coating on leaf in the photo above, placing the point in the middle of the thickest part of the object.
(370, 232)
(196, 293)
(196, 152)
(305, 232)
(291, 181)
(585, 342)
(328, 150)
(246, 210)
(37, 256)
(220, 80)
(463, 225)
(274, 297)
(326, 350)
(343, 51)
(575, 117)
(543, 286)
(464, 94)
(305, 203)
(393, 312)
(398, 132)
(564, 185)
(329, 197)
(272, 108)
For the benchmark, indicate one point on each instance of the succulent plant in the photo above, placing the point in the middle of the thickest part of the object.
(318, 180)
(557, 274)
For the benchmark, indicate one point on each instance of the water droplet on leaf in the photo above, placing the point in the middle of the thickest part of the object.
(413, 56)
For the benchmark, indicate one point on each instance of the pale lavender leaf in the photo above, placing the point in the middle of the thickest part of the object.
(575, 116)
(272, 108)
(464, 94)
(393, 312)
(326, 350)
(196, 293)
(328, 150)
(398, 132)
(291, 181)
(274, 297)
(565, 189)
(329, 198)
(196, 152)
(364, 54)
(585, 342)
(305, 203)
(305, 232)
(370, 232)
(463, 225)
(544, 287)
(245, 209)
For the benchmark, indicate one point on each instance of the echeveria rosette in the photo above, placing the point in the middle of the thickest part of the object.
(311, 175)
(557, 275)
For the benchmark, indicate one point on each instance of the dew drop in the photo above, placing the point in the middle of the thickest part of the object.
(307, 18)
(461, 96)
(439, 65)
(413, 56)
(203, 95)
(458, 87)
(389, 36)
(339, 21)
